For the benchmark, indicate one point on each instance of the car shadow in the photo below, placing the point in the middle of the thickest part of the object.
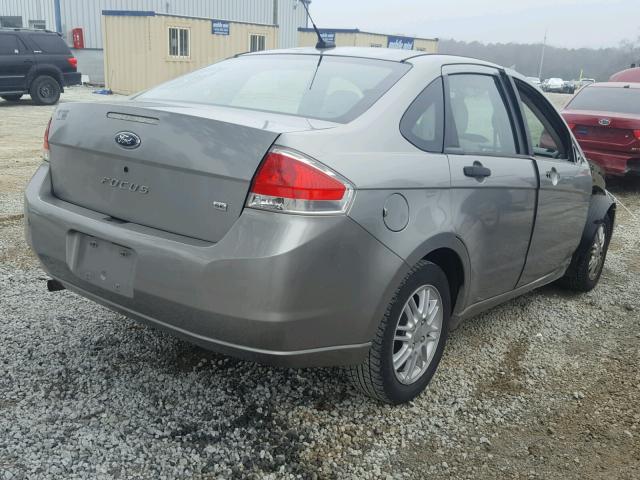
(20, 103)
(627, 184)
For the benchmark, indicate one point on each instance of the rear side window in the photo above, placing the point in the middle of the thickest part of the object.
(423, 122)
(50, 43)
(331, 88)
(10, 45)
(481, 123)
(607, 99)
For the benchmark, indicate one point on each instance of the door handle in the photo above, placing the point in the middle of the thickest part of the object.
(553, 175)
(477, 171)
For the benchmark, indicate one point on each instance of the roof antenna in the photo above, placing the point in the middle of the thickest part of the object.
(322, 43)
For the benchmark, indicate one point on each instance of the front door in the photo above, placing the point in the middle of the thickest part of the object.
(15, 63)
(493, 182)
(565, 187)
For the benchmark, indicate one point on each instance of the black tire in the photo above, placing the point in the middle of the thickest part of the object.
(580, 277)
(376, 376)
(45, 90)
(12, 98)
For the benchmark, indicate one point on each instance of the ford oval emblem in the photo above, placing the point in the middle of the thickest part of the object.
(605, 122)
(128, 140)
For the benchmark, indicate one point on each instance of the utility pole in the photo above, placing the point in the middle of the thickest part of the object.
(544, 44)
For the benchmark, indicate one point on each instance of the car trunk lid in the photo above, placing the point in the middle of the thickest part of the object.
(605, 130)
(189, 174)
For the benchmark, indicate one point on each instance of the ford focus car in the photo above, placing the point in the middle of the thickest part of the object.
(319, 207)
(605, 119)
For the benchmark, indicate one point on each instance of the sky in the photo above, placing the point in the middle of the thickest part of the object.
(569, 23)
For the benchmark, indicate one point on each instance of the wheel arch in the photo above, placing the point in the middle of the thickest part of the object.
(449, 252)
(600, 206)
(45, 69)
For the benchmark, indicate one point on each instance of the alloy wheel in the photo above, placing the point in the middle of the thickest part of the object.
(597, 252)
(417, 334)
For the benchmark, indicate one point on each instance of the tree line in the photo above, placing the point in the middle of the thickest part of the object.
(566, 63)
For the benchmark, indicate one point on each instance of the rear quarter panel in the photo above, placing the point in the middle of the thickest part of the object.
(372, 153)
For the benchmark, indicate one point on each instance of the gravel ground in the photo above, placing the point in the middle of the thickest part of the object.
(545, 386)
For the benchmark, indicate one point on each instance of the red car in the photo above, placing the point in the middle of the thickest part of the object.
(605, 119)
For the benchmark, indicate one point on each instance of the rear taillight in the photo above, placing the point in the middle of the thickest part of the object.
(636, 133)
(290, 182)
(73, 61)
(45, 143)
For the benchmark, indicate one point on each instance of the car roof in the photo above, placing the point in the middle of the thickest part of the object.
(27, 30)
(394, 54)
(390, 54)
(614, 85)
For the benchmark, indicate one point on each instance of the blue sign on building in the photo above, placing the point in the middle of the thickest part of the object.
(219, 27)
(404, 43)
(328, 35)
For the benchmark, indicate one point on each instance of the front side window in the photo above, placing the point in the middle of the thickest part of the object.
(328, 88)
(544, 138)
(423, 122)
(179, 42)
(480, 121)
(257, 43)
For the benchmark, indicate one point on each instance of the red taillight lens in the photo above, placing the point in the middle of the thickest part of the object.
(73, 61)
(636, 133)
(45, 143)
(282, 175)
(288, 181)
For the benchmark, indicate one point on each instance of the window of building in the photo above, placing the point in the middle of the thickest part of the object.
(257, 43)
(179, 40)
(38, 24)
(481, 122)
(10, 22)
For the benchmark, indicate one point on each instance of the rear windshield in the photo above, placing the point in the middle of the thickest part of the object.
(607, 99)
(338, 89)
(50, 43)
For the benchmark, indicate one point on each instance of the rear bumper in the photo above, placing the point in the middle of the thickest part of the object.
(280, 289)
(70, 79)
(614, 163)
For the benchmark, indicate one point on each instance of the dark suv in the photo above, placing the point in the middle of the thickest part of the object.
(37, 62)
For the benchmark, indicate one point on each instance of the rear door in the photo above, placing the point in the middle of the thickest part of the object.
(565, 186)
(15, 63)
(493, 183)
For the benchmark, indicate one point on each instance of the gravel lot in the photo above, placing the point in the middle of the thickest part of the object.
(546, 386)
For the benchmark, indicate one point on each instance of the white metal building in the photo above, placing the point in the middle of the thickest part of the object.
(65, 15)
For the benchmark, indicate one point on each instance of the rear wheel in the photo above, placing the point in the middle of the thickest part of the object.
(410, 339)
(45, 90)
(11, 98)
(586, 268)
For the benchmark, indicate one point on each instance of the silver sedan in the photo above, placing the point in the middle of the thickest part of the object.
(311, 207)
